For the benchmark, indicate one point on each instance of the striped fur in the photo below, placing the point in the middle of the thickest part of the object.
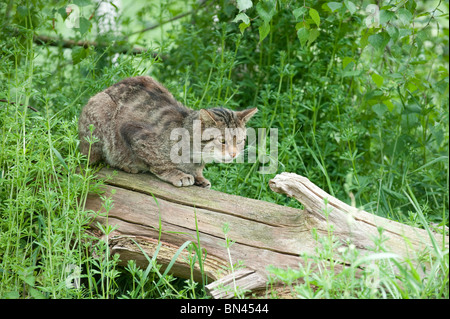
(133, 121)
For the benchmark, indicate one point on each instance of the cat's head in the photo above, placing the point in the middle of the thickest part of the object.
(223, 132)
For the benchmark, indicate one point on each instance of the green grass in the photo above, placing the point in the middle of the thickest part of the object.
(363, 118)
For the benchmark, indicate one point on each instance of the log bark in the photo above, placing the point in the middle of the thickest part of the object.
(153, 215)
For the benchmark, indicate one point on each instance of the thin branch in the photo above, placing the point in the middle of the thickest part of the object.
(154, 26)
(53, 41)
(12, 103)
(182, 15)
(43, 39)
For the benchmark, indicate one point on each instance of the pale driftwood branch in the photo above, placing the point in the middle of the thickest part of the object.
(149, 212)
(350, 223)
(240, 281)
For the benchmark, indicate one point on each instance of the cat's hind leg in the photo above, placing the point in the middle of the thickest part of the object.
(95, 153)
(93, 125)
(93, 150)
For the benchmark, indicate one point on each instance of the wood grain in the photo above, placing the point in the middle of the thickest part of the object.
(149, 212)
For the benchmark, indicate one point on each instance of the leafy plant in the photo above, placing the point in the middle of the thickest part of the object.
(358, 91)
(344, 93)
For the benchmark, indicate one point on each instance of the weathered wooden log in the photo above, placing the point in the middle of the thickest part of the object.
(151, 214)
(349, 222)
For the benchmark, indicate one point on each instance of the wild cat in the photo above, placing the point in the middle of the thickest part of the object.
(133, 121)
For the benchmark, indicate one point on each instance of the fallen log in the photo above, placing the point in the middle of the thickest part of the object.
(151, 215)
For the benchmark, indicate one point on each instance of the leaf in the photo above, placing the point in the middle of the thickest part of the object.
(266, 9)
(173, 11)
(172, 261)
(419, 62)
(393, 32)
(299, 25)
(58, 155)
(315, 16)
(364, 40)
(378, 79)
(302, 24)
(413, 108)
(30, 280)
(374, 95)
(78, 55)
(243, 5)
(22, 11)
(379, 40)
(264, 30)
(313, 34)
(82, 3)
(299, 12)
(303, 35)
(389, 105)
(404, 16)
(62, 12)
(436, 160)
(350, 6)
(346, 61)
(380, 109)
(411, 5)
(242, 17)
(334, 6)
(243, 26)
(11, 295)
(85, 24)
(36, 294)
(386, 16)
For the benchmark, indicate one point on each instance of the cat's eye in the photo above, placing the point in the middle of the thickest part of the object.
(222, 140)
(240, 141)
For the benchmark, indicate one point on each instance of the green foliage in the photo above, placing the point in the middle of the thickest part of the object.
(358, 93)
(44, 247)
(356, 103)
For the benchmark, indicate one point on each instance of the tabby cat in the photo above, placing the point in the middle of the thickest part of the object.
(134, 121)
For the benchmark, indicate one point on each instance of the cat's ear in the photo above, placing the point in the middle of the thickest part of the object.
(246, 115)
(207, 117)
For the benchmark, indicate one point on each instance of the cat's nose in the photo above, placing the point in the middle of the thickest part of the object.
(233, 154)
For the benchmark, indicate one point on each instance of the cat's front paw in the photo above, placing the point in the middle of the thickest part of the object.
(130, 170)
(183, 180)
(202, 182)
